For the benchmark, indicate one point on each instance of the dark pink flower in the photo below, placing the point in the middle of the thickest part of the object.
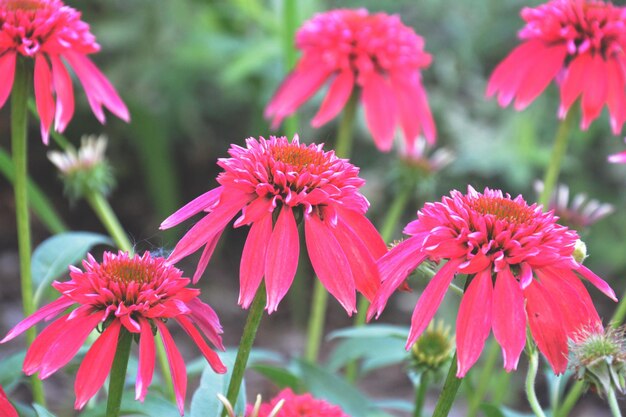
(6, 408)
(277, 184)
(522, 271)
(581, 43)
(50, 32)
(304, 405)
(133, 292)
(375, 52)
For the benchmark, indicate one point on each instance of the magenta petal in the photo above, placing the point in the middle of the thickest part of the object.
(330, 262)
(597, 282)
(509, 318)
(7, 68)
(96, 365)
(147, 355)
(64, 91)
(206, 319)
(336, 98)
(192, 208)
(595, 90)
(45, 312)
(43, 95)
(365, 230)
(6, 408)
(413, 109)
(430, 300)
(281, 260)
(211, 357)
(616, 99)
(41, 345)
(547, 62)
(380, 110)
(252, 264)
(177, 366)
(207, 253)
(574, 82)
(473, 322)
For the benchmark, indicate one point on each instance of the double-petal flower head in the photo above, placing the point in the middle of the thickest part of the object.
(50, 32)
(303, 405)
(520, 270)
(581, 44)
(134, 293)
(376, 53)
(277, 184)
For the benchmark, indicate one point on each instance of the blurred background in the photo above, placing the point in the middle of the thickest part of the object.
(196, 76)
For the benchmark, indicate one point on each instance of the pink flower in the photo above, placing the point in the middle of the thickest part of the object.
(49, 32)
(618, 158)
(580, 43)
(135, 293)
(299, 406)
(276, 185)
(6, 408)
(376, 52)
(521, 270)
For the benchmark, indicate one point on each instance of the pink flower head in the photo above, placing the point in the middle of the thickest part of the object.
(135, 293)
(618, 158)
(581, 43)
(379, 54)
(6, 408)
(521, 270)
(299, 406)
(276, 184)
(47, 31)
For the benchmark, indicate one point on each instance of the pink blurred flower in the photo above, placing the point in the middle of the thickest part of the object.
(276, 184)
(304, 405)
(6, 408)
(580, 43)
(521, 268)
(618, 158)
(137, 293)
(49, 32)
(375, 52)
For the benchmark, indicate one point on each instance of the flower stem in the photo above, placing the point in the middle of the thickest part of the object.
(343, 146)
(245, 345)
(533, 365)
(450, 388)
(19, 146)
(613, 405)
(420, 394)
(483, 380)
(552, 173)
(118, 373)
(109, 220)
(290, 23)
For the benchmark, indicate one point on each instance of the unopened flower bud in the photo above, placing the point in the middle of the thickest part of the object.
(433, 349)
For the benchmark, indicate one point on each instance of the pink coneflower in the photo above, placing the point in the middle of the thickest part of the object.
(618, 158)
(135, 293)
(580, 43)
(304, 405)
(521, 270)
(49, 32)
(6, 408)
(379, 54)
(276, 185)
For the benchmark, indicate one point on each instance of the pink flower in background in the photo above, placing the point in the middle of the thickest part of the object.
(6, 408)
(375, 52)
(522, 270)
(50, 32)
(618, 158)
(277, 184)
(581, 44)
(304, 405)
(135, 293)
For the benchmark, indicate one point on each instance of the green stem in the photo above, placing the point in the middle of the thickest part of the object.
(613, 405)
(343, 146)
(570, 400)
(554, 166)
(316, 321)
(109, 220)
(290, 24)
(245, 345)
(620, 312)
(483, 380)
(533, 365)
(420, 394)
(19, 146)
(118, 373)
(450, 388)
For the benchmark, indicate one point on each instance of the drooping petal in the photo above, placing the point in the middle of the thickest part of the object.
(43, 95)
(65, 93)
(252, 266)
(597, 282)
(379, 103)
(336, 98)
(365, 230)
(473, 322)
(207, 253)
(45, 312)
(281, 260)
(595, 90)
(616, 99)
(192, 208)
(6, 408)
(330, 262)
(509, 318)
(147, 355)
(41, 345)
(211, 357)
(7, 68)
(547, 62)
(96, 365)
(574, 82)
(206, 319)
(177, 366)
(430, 300)
(413, 108)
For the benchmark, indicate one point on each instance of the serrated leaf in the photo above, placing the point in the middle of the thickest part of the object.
(41, 411)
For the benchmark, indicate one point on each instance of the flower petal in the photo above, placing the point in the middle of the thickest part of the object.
(380, 110)
(336, 98)
(45, 312)
(177, 366)
(547, 62)
(252, 266)
(597, 282)
(573, 82)
(192, 208)
(365, 230)
(7, 68)
(207, 253)
(6, 408)
(595, 90)
(211, 357)
(413, 108)
(616, 99)
(42, 343)
(147, 355)
(64, 91)
(509, 318)
(206, 319)
(43, 95)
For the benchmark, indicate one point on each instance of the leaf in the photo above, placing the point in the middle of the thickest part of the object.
(491, 410)
(279, 376)
(375, 352)
(371, 331)
(11, 369)
(53, 256)
(152, 406)
(41, 411)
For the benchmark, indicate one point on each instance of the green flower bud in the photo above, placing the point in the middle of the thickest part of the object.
(433, 349)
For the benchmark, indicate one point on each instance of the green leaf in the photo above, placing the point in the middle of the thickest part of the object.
(42, 412)
(283, 378)
(152, 406)
(53, 256)
(376, 352)
(371, 331)
(11, 369)
(491, 410)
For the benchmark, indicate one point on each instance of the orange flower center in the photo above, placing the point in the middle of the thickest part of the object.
(297, 156)
(27, 5)
(127, 271)
(502, 209)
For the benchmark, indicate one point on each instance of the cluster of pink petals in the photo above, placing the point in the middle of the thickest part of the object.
(304, 405)
(522, 271)
(581, 43)
(375, 52)
(135, 293)
(49, 32)
(6, 408)
(276, 184)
